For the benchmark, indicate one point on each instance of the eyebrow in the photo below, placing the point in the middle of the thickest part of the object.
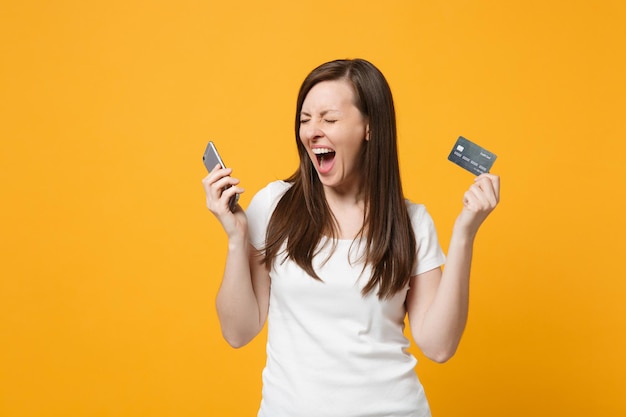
(323, 113)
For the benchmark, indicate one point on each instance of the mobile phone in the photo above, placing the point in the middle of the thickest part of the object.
(211, 158)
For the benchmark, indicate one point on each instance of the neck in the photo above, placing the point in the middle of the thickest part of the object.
(348, 210)
(337, 198)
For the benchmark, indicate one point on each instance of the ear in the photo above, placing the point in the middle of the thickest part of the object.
(367, 131)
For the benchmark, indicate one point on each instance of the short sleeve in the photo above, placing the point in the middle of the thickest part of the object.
(260, 211)
(429, 252)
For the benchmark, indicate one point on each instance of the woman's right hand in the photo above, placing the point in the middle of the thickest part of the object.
(219, 187)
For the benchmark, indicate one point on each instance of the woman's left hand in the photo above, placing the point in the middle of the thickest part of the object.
(478, 201)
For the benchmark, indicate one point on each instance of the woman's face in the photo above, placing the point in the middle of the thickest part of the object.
(333, 131)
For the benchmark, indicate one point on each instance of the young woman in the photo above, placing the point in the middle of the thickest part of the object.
(334, 258)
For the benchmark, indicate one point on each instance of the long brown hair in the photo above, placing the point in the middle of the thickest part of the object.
(389, 238)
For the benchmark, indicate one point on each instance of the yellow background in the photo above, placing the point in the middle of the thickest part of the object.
(110, 261)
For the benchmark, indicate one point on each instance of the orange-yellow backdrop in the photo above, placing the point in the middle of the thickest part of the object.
(110, 261)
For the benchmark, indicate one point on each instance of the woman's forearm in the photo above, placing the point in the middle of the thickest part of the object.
(239, 303)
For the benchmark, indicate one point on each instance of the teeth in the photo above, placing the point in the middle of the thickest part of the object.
(321, 151)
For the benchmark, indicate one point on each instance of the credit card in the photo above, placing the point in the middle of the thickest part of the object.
(471, 157)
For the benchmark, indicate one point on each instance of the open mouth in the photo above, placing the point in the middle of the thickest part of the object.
(324, 156)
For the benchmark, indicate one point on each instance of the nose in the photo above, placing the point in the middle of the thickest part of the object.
(310, 131)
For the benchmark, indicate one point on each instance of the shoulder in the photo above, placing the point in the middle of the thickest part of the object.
(417, 212)
(277, 187)
(429, 253)
(421, 221)
(271, 193)
(260, 210)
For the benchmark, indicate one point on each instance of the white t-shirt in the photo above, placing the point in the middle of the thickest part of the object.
(331, 351)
